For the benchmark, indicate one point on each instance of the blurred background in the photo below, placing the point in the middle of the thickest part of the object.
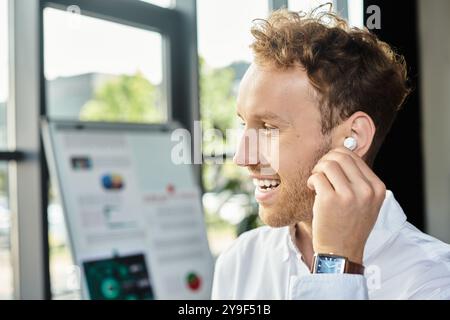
(154, 61)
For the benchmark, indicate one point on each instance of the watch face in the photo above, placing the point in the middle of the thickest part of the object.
(329, 264)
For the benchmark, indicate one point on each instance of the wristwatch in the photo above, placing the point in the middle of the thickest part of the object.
(330, 263)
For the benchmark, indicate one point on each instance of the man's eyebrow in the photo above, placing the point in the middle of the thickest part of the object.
(272, 116)
(267, 116)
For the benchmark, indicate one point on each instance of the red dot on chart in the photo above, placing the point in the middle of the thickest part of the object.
(170, 188)
(194, 282)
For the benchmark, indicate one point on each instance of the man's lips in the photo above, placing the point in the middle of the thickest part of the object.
(266, 188)
(262, 177)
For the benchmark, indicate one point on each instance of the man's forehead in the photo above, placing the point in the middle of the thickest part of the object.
(277, 80)
(268, 71)
(270, 93)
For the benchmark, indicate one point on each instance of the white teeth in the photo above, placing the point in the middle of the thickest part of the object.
(269, 184)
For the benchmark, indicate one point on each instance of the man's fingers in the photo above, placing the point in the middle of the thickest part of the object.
(377, 185)
(320, 184)
(362, 165)
(334, 173)
(349, 166)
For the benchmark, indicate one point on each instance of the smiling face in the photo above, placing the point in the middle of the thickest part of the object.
(283, 106)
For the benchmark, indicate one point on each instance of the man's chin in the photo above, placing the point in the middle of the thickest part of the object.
(278, 216)
(274, 218)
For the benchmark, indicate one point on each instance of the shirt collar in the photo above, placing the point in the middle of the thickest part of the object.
(390, 219)
(291, 246)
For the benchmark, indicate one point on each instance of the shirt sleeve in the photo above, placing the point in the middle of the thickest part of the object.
(328, 287)
(433, 292)
(437, 288)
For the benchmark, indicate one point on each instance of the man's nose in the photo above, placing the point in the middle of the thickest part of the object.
(247, 151)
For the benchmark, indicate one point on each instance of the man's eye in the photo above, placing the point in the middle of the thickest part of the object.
(268, 129)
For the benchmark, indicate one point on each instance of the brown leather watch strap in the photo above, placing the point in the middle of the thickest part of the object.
(353, 268)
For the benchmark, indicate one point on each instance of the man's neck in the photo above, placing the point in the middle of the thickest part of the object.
(303, 241)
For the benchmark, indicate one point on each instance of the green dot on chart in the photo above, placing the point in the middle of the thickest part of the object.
(110, 288)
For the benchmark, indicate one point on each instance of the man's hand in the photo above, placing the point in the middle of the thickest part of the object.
(348, 199)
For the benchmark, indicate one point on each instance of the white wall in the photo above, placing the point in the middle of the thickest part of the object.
(434, 25)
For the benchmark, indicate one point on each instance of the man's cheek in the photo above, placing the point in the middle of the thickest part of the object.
(287, 160)
(269, 148)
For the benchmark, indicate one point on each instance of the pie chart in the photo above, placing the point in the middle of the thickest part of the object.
(194, 282)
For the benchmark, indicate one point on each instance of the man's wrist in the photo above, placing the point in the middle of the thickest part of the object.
(332, 263)
(354, 256)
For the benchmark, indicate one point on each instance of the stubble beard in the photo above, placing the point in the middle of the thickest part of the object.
(295, 200)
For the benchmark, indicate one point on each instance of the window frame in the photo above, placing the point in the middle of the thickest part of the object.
(177, 25)
(180, 63)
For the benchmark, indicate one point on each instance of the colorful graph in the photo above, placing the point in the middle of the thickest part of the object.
(112, 181)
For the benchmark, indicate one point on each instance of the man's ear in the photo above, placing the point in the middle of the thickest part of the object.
(359, 126)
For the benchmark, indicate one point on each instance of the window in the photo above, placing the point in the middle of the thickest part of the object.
(3, 70)
(356, 13)
(307, 5)
(62, 270)
(352, 10)
(96, 70)
(102, 71)
(224, 38)
(161, 3)
(6, 272)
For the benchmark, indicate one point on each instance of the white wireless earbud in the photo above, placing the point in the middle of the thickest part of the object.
(350, 143)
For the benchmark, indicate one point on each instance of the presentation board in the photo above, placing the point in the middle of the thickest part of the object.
(134, 218)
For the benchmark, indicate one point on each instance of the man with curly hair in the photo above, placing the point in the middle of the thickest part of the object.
(328, 94)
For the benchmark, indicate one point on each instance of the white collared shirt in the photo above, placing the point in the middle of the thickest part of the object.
(401, 263)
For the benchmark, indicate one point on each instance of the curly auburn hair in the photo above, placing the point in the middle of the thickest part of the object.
(350, 68)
